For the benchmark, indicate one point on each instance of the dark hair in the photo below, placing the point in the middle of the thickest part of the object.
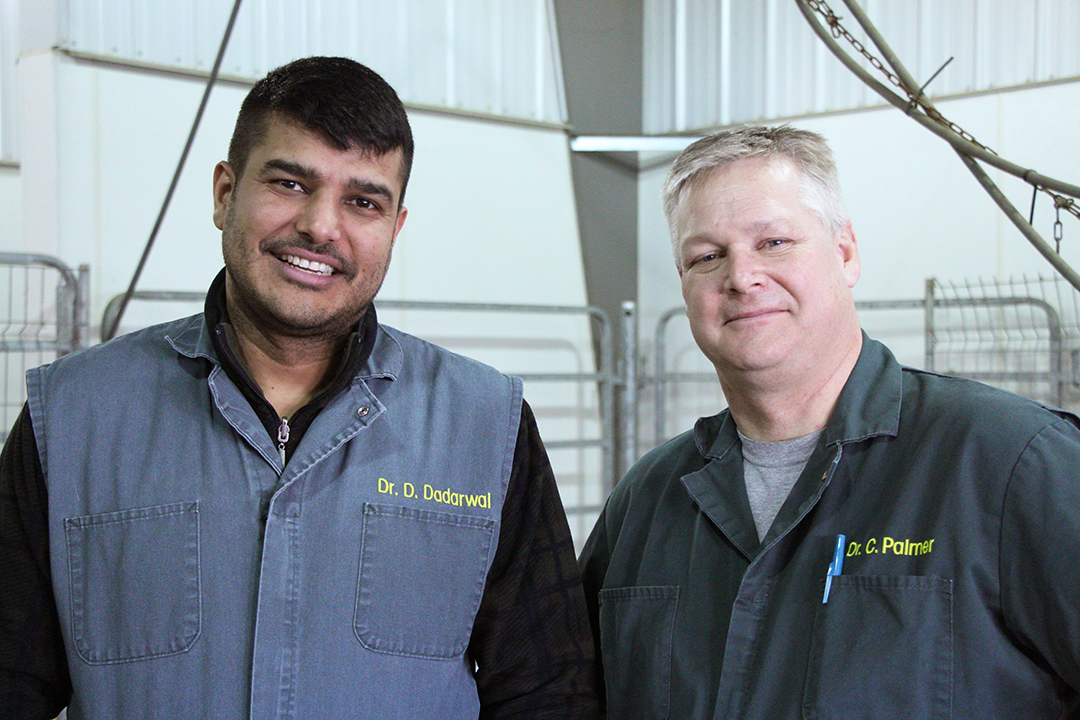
(348, 103)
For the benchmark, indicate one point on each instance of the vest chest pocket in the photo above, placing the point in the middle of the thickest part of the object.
(882, 647)
(422, 575)
(134, 578)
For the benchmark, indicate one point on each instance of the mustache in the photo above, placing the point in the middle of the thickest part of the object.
(281, 246)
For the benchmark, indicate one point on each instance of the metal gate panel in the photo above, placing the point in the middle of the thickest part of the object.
(42, 316)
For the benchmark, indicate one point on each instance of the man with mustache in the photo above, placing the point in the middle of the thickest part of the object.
(850, 538)
(212, 518)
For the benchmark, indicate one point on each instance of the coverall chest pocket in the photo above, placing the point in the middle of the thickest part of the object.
(422, 575)
(636, 628)
(882, 648)
(134, 578)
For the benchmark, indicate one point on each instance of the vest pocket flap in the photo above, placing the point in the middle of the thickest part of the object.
(422, 574)
(134, 582)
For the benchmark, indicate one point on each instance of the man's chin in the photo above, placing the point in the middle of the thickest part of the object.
(315, 323)
(741, 362)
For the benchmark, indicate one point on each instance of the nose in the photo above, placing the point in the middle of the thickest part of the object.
(743, 271)
(319, 219)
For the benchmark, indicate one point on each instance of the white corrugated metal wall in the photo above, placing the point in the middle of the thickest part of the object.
(9, 51)
(494, 57)
(710, 63)
(491, 57)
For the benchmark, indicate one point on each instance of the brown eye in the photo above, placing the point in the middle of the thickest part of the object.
(366, 205)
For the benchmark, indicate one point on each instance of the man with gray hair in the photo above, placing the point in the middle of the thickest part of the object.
(850, 538)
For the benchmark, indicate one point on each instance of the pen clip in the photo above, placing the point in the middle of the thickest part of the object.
(836, 567)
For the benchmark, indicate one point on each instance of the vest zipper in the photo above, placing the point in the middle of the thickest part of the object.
(283, 438)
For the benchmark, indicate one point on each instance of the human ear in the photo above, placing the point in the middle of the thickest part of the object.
(848, 249)
(224, 184)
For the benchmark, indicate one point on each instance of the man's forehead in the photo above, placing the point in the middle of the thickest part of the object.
(279, 131)
(744, 181)
(291, 146)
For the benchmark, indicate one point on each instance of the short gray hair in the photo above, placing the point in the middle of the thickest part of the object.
(807, 150)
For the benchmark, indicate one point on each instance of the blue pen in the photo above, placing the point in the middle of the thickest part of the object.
(835, 567)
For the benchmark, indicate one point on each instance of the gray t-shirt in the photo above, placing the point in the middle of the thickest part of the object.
(770, 470)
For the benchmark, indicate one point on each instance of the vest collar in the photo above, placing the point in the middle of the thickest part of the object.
(385, 359)
(192, 339)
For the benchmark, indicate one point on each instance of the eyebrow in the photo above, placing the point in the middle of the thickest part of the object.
(778, 226)
(765, 227)
(364, 187)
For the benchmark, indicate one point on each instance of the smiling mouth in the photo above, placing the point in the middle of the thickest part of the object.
(751, 315)
(316, 268)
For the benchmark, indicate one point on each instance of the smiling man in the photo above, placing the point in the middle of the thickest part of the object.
(221, 517)
(850, 538)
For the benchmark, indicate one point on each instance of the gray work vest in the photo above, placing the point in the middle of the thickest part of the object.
(195, 577)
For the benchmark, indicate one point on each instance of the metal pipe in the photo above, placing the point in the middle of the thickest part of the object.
(27, 259)
(110, 318)
(70, 294)
(629, 403)
(945, 133)
(911, 87)
(875, 37)
(108, 332)
(1054, 329)
(1021, 223)
(660, 363)
(82, 310)
(930, 330)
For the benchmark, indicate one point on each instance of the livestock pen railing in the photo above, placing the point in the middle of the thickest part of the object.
(43, 315)
(588, 387)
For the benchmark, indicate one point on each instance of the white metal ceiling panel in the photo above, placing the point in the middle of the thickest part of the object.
(494, 57)
(711, 63)
(9, 52)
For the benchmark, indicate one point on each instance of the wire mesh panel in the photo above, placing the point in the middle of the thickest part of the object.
(1022, 335)
(40, 314)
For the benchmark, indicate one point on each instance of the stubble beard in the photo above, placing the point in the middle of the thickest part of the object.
(277, 314)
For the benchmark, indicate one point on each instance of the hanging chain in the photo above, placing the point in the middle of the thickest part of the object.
(916, 98)
(839, 31)
(1058, 230)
